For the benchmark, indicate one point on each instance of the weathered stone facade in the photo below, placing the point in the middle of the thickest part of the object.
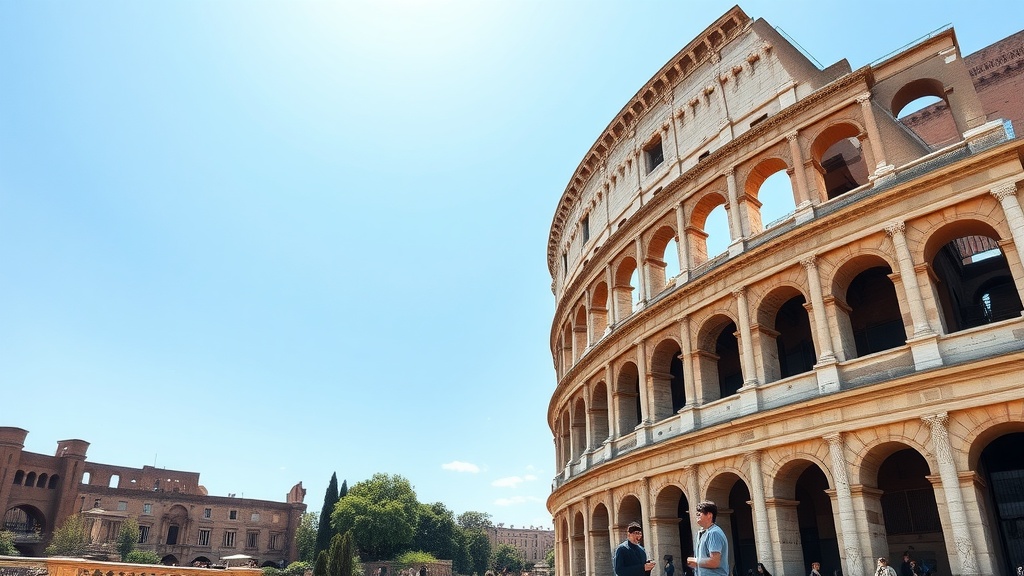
(844, 381)
(179, 520)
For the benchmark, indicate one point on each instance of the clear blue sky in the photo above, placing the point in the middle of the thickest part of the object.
(268, 241)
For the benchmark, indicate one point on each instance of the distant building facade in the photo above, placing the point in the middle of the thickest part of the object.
(178, 520)
(534, 543)
(844, 381)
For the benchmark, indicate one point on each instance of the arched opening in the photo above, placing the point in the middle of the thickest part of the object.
(26, 525)
(578, 544)
(875, 317)
(599, 310)
(579, 334)
(794, 342)
(770, 189)
(839, 159)
(601, 537)
(41, 482)
(86, 477)
(115, 479)
(19, 477)
(717, 229)
(708, 233)
(818, 539)
(599, 415)
(30, 479)
(671, 526)
(563, 544)
(921, 106)
(54, 480)
(565, 445)
(201, 562)
(625, 292)
(629, 511)
(1002, 466)
(662, 263)
(745, 547)
(169, 560)
(627, 398)
(579, 429)
(909, 508)
(973, 279)
(730, 374)
(667, 380)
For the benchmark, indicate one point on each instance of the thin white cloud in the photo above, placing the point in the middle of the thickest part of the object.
(512, 481)
(457, 466)
(516, 500)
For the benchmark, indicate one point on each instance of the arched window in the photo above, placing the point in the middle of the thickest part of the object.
(875, 312)
(921, 105)
(599, 415)
(975, 285)
(19, 477)
(627, 398)
(667, 376)
(795, 346)
(840, 160)
(730, 375)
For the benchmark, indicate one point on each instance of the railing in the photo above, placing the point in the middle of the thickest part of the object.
(58, 566)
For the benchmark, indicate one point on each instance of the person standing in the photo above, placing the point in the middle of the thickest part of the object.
(815, 569)
(884, 569)
(630, 558)
(712, 550)
(670, 569)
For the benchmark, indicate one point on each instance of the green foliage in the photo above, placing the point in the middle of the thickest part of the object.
(461, 563)
(127, 537)
(549, 559)
(324, 531)
(382, 514)
(341, 557)
(436, 531)
(296, 569)
(414, 558)
(69, 539)
(320, 568)
(305, 537)
(507, 558)
(478, 545)
(142, 557)
(7, 544)
(475, 521)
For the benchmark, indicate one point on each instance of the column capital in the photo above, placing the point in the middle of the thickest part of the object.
(793, 135)
(1004, 190)
(809, 262)
(752, 456)
(895, 228)
(936, 420)
(863, 97)
(740, 292)
(833, 438)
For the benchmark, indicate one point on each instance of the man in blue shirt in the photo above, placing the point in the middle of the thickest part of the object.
(630, 558)
(712, 550)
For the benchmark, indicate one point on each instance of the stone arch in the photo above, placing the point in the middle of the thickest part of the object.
(626, 395)
(599, 415)
(578, 424)
(580, 341)
(752, 188)
(806, 520)
(599, 310)
(624, 290)
(657, 258)
(670, 522)
(628, 510)
(668, 394)
(784, 334)
(839, 159)
(717, 357)
(868, 312)
(600, 528)
(578, 544)
(696, 231)
(730, 491)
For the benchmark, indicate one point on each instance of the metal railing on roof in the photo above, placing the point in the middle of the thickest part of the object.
(927, 36)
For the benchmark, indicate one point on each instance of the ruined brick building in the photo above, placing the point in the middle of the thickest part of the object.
(178, 519)
(843, 381)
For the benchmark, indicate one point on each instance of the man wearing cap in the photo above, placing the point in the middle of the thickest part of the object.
(630, 558)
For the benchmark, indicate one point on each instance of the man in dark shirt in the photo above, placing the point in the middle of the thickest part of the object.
(630, 558)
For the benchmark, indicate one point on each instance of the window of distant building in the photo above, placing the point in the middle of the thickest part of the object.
(143, 534)
(275, 541)
(122, 505)
(96, 503)
(204, 537)
(252, 539)
(654, 154)
(585, 225)
(147, 509)
(229, 539)
(255, 517)
(207, 513)
(233, 515)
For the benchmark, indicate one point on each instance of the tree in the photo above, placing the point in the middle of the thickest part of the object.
(324, 531)
(320, 567)
(475, 520)
(127, 537)
(142, 557)
(507, 556)
(69, 539)
(549, 559)
(382, 514)
(305, 536)
(436, 531)
(479, 547)
(340, 561)
(7, 544)
(461, 563)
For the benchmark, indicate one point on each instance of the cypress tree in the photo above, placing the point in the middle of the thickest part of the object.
(347, 554)
(320, 568)
(324, 531)
(336, 556)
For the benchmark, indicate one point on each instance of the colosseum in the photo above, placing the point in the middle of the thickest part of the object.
(837, 366)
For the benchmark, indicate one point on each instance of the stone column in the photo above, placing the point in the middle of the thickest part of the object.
(693, 498)
(882, 168)
(613, 308)
(848, 529)
(682, 246)
(964, 551)
(826, 371)
(641, 273)
(802, 196)
(736, 225)
(689, 383)
(746, 340)
(918, 314)
(1006, 193)
(762, 534)
(645, 400)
